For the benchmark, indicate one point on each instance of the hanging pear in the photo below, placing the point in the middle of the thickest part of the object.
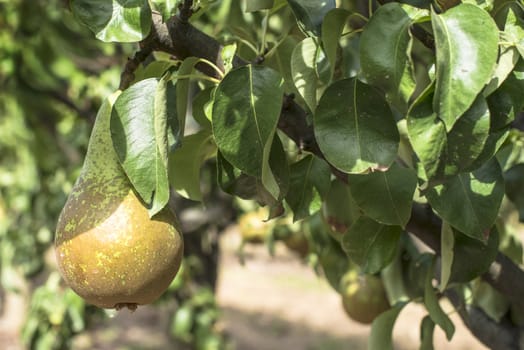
(108, 249)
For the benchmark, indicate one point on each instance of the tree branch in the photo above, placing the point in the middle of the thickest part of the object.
(496, 336)
(182, 40)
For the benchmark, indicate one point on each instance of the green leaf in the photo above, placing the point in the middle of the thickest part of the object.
(443, 153)
(231, 180)
(392, 278)
(355, 128)
(339, 208)
(427, 327)
(514, 179)
(256, 5)
(470, 201)
(471, 258)
(332, 27)
(182, 89)
(447, 241)
(246, 109)
(278, 163)
(163, 111)
(381, 337)
(115, 20)
(279, 58)
(166, 7)
(139, 127)
(304, 70)
(514, 29)
(385, 52)
(200, 107)
(310, 14)
(371, 244)
(185, 164)
(507, 60)
(466, 40)
(431, 301)
(310, 179)
(385, 196)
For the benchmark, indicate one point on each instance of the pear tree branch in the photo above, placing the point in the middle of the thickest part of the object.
(181, 39)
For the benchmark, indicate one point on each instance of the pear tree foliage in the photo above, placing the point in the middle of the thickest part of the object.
(379, 126)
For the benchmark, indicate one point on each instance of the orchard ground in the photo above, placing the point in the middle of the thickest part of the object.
(268, 303)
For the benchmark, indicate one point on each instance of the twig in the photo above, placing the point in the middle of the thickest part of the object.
(132, 64)
(496, 336)
(186, 10)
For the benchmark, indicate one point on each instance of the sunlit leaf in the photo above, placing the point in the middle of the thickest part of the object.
(304, 70)
(466, 40)
(470, 201)
(115, 20)
(310, 14)
(385, 52)
(139, 123)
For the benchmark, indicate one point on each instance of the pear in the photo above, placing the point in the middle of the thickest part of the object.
(108, 249)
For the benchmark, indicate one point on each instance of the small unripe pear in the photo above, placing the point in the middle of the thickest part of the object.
(108, 249)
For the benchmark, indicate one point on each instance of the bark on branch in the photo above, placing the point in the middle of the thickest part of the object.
(181, 39)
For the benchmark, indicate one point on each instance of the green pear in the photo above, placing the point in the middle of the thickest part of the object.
(108, 249)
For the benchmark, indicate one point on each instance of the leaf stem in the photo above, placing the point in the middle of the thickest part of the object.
(197, 76)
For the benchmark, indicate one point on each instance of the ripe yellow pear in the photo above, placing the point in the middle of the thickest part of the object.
(108, 249)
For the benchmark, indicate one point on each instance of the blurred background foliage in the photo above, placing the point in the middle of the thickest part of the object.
(53, 77)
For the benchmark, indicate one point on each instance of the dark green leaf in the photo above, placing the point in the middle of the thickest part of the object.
(332, 27)
(339, 208)
(310, 178)
(201, 103)
(355, 128)
(470, 201)
(381, 337)
(447, 242)
(385, 196)
(256, 5)
(435, 310)
(466, 40)
(514, 178)
(185, 164)
(279, 58)
(246, 109)
(444, 153)
(471, 258)
(371, 244)
(427, 327)
(385, 52)
(115, 20)
(231, 180)
(310, 14)
(182, 89)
